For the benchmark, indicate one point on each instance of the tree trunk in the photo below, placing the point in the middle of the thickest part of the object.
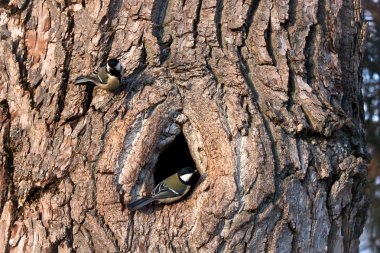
(262, 96)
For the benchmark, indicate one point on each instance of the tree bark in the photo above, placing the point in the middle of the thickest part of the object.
(265, 93)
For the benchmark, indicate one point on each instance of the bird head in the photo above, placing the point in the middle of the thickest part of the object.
(114, 67)
(186, 173)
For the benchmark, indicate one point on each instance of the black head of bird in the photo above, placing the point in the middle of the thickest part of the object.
(169, 190)
(114, 67)
(107, 77)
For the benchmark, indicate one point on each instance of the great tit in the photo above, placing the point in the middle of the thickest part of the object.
(169, 190)
(106, 77)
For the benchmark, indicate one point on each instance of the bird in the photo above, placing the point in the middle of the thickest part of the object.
(106, 77)
(168, 190)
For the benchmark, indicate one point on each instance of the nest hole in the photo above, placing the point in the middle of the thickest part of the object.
(176, 156)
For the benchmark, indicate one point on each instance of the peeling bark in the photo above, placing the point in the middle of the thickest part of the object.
(265, 93)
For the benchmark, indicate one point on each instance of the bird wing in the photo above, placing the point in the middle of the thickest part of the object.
(98, 77)
(102, 75)
(162, 191)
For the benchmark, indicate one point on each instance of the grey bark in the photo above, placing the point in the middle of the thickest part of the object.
(266, 94)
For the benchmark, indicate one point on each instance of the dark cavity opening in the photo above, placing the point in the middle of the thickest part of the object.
(176, 156)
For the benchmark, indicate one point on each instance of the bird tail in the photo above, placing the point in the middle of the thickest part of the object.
(137, 204)
(83, 79)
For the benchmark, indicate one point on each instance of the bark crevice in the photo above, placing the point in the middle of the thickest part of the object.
(291, 84)
(196, 22)
(159, 12)
(309, 51)
(7, 186)
(22, 57)
(67, 44)
(6, 170)
(106, 27)
(218, 20)
(249, 18)
(268, 39)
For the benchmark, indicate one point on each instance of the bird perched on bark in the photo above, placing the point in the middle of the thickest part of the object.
(106, 77)
(169, 190)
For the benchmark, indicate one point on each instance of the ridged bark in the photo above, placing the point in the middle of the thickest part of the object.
(265, 93)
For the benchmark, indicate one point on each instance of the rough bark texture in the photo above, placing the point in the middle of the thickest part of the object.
(265, 92)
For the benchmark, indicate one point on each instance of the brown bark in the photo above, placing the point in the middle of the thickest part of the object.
(266, 94)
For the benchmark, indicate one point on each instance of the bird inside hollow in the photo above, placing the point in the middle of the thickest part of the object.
(107, 77)
(168, 190)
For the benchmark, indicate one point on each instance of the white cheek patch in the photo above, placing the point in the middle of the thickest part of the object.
(186, 177)
(118, 66)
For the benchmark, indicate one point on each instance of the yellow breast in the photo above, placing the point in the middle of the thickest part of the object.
(112, 83)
